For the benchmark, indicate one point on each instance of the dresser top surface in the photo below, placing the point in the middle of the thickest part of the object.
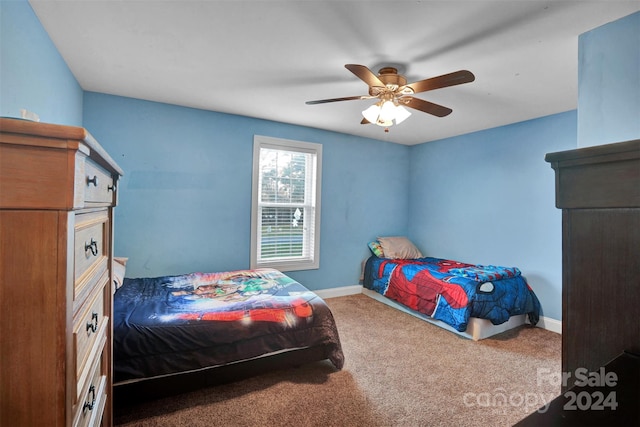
(60, 132)
(597, 154)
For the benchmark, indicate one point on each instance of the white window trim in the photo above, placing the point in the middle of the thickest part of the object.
(259, 142)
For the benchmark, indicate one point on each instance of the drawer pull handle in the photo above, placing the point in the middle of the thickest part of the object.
(93, 246)
(93, 325)
(93, 181)
(111, 188)
(87, 405)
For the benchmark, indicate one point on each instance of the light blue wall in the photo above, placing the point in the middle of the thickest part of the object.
(33, 75)
(489, 198)
(185, 200)
(609, 83)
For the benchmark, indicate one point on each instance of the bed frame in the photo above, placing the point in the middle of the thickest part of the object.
(477, 329)
(128, 392)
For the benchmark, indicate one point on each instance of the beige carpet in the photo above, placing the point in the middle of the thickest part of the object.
(399, 371)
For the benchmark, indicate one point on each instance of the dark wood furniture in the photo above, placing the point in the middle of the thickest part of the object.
(598, 190)
(602, 403)
(57, 193)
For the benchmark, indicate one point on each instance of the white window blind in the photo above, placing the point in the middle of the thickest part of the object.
(285, 205)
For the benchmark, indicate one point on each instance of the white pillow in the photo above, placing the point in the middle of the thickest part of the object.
(399, 247)
(119, 268)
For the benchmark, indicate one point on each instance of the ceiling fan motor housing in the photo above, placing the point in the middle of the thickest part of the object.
(390, 77)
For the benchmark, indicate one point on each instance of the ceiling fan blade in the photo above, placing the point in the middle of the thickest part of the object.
(445, 80)
(365, 74)
(426, 106)
(347, 98)
(365, 122)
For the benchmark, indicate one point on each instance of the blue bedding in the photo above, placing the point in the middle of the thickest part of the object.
(453, 291)
(172, 324)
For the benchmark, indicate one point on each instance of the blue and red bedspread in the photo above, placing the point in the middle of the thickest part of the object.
(453, 291)
(172, 324)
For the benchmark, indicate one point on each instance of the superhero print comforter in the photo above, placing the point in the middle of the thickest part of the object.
(452, 291)
(174, 324)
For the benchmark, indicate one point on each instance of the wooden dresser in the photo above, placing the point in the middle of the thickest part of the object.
(57, 193)
(598, 190)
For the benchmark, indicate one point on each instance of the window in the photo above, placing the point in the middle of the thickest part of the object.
(285, 212)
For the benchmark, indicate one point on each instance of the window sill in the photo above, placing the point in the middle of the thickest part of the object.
(289, 266)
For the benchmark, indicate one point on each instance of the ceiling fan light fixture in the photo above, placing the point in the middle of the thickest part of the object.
(372, 113)
(385, 113)
(401, 114)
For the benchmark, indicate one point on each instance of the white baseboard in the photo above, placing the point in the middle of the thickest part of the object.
(550, 324)
(547, 323)
(339, 292)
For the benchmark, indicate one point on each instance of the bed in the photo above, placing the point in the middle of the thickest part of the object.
(475, 301)
(190, 324)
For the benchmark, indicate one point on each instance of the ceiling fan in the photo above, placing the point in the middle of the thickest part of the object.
(394, 94)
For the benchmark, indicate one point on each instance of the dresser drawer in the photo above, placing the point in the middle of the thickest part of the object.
(89, 333)
(90, 406)
(97, 184)
(91, 250)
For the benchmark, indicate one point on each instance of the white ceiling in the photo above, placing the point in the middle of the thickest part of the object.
(266, 58)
